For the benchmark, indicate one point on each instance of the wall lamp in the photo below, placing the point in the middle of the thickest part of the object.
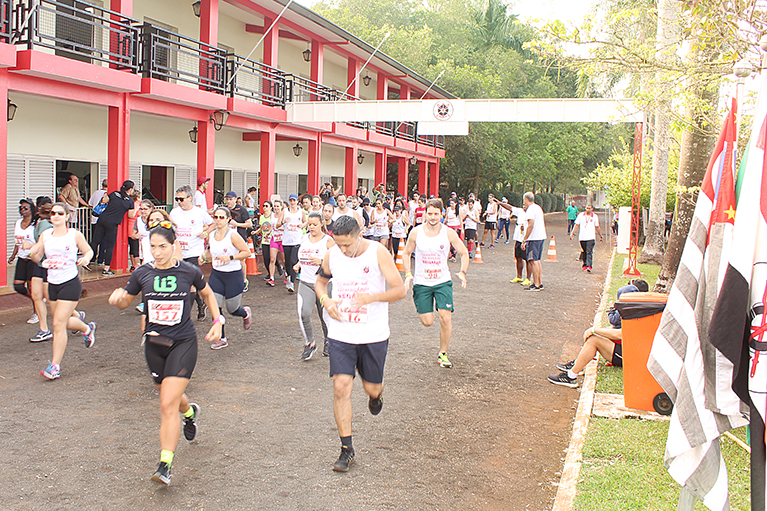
(413, 160)
(297, 150)
(307, 53)
(196, 7)
(219, 118)
(11, 110)
(360, 158)
(193, 134)
(366, 79)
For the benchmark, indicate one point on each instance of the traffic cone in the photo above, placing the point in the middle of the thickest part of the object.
(251, 263)
(399, 261)
(478, 257)
(552, 255)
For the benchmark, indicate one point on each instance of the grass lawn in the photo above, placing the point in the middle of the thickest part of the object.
(623, 459)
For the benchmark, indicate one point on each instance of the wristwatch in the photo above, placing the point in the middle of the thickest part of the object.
(220, 319)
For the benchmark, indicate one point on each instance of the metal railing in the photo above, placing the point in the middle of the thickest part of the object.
(6, 21)
(176, 58)
(80, 31)
(255, 81)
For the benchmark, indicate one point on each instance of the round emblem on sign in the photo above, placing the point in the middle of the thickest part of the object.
(443, 110)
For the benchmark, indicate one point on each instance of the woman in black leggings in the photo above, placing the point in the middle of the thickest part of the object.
(105, 230)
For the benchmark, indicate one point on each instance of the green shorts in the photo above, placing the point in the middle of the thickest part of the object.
(426, 297)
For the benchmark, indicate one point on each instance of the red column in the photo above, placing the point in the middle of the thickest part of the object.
(209, 22)
(271, 49)
(118, 157)
(382, 87)
(318, 60)
(206, 155)
(404, 91)
(380, 172)
(124, 7)
(422, 177)
(313, 179)
(350, 171)
(266, 179)
(352, 68)
(4, 172)
(402, 185)
(434, 179)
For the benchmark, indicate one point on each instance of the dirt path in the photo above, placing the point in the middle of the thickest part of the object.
(488, 434)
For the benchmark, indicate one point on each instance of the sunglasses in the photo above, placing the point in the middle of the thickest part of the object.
(219, 217)
(58, 213)
(23, 208)
(162, 223)
(181, 199)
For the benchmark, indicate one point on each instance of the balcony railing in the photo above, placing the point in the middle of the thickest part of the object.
(255, 81)
(77, 30)
(6, 21)
(176, 58)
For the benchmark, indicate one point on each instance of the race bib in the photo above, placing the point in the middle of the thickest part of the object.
(218, 262)
(277, 236)
(432, 273)
(184, 244)
(344, 292)
(20, 240)
(55, 262)
(432, 266)
(353, 314)
(165, 312)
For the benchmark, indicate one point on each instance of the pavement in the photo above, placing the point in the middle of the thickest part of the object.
(491, 433)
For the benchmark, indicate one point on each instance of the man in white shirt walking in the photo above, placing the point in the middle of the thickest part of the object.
(535, 235)
(587, 223)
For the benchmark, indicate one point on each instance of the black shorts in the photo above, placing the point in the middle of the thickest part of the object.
(40, 273)
(470, 234)
(519, 252)
(490, 226)
(167, 358)
(193, 260)
(69, 290)
(617, 360)
(133, 247)
(25, 270)
(368, 359)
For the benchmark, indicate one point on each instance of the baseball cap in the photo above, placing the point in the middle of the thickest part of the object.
(201, 180)
(28, 201)
(504, 199)
(292, 196)
(231, 194)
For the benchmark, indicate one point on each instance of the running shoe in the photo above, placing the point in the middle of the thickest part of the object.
(247, 320)
(507, 242)
(532, 287)
(563, 379)
(525, 283)
(344, 461)
(140, 307)
(201, 312)
(453, 259)
(443, 361)
(107, 273)
(566, 367)
(326, 350)
(221, 343)
(375, 405)
(309, 350)
(245, 286)
(280, 271)
(583, 268)
(41, 336)
(52, 372)
(270, 282)
(515, 280)
(132, 269)
(33, 319)
(90, 337)
(267, 277)
(588, 269)
(190, 423)
(481, 244)
(291, 288)
(81, 314)
(162, 474)
(491, 246)
(471, 256)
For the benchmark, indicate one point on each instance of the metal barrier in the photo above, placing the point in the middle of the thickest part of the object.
(80, 31)
(255, 81)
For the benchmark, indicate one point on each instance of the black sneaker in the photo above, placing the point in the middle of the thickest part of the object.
(201, 312)
(309, 350)
(190, 423)
(564, 380)
(344, 461)
(326, 350)
(245, 286)
(107, 273)
(566, 367)
(375, 405)
(279, 270)
(162, 475)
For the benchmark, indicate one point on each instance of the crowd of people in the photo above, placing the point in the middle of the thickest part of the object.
(336, 253)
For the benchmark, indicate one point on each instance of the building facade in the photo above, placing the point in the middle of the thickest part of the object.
(164, 91)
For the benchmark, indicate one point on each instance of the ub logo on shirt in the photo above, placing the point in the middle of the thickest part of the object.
(165, 284)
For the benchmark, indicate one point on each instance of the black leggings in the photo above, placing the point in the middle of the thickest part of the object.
(266, 253)
(291, 258)
(103, 241)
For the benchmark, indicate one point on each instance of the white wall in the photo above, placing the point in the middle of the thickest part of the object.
(176, 13)
(159, 140)
(291, 59)
(332, 161)
(231, 32)
(233, 153)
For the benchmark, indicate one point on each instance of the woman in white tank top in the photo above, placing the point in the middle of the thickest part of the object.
(60, 246)
(293, 221)
(227, 251)
(381, 219)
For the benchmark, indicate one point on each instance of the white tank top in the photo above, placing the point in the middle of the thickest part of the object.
(146, 248)
(451, 219)
(224, 247)
(60, 256)
(381, 223)
(492, 212)
(503, 213)
(23, 235)
(292, 227)
(431, 257)
(398, 226)
(309, 251)
(352, 275)
(276, 233)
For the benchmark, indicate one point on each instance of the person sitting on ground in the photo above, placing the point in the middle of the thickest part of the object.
(606, 341)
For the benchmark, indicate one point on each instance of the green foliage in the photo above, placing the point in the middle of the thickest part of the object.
(545, 201)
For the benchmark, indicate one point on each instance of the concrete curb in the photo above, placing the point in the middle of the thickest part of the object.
(569, 481)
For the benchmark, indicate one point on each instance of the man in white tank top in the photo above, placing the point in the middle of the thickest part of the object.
(433, 284)
(357, 316)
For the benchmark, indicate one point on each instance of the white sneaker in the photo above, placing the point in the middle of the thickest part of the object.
(33, 319)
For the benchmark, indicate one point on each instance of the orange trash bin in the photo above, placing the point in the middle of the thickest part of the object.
(640, 317)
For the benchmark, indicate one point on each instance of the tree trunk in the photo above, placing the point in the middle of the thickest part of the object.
(696, 146)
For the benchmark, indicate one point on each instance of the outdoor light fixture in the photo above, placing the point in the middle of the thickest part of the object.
(413, 160)
(307, 53)
(763, 42)
(360, 158)
(196, 8)
(193, 134)
(219, 118)
(366, 79)
(297, 150)
(742, 69)
(11, 110)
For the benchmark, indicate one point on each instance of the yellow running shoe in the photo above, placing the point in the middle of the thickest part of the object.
(515, 280)
(526, 282)
(443, 360)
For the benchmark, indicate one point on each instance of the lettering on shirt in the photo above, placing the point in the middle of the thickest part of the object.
(344, 293)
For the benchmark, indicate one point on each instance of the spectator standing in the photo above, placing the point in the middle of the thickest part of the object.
(95, 200)
(519, 238)
(133, 243)
(535, 235)
(199, 195)
(572, 214)
(504, 221)
(24, 232)
(251, 199)
(70, 194)
(491, 218)
(105, 231)
(588, 223)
